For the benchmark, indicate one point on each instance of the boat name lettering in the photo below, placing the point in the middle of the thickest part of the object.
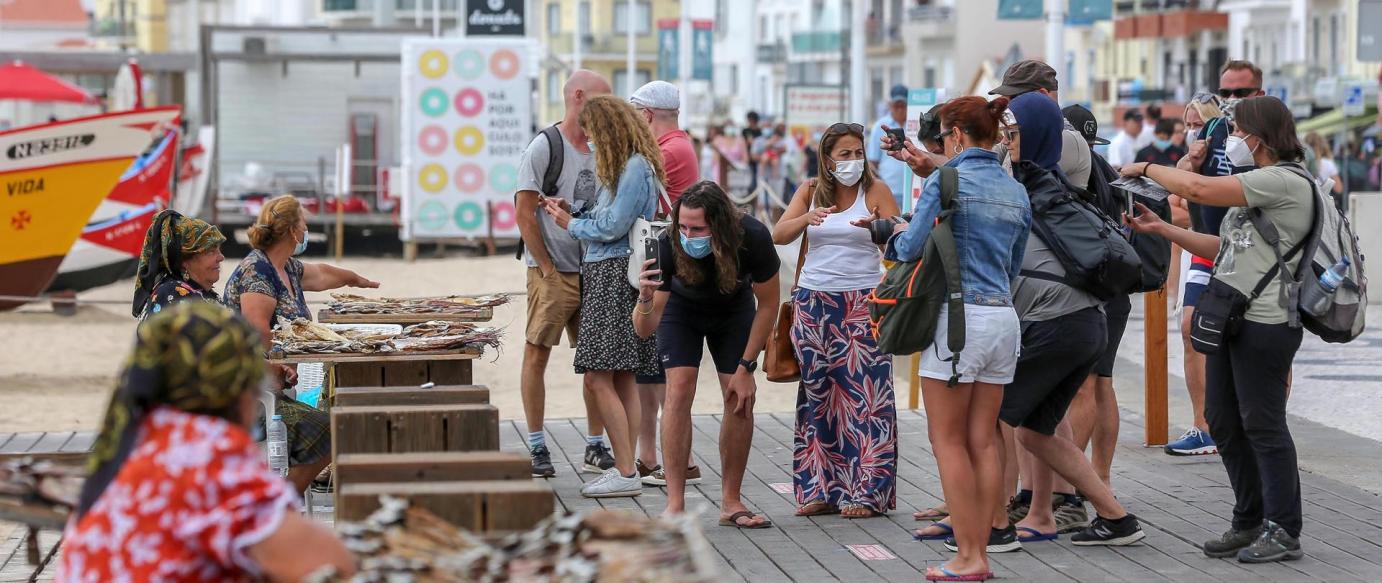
(49, 146)
(26, 186)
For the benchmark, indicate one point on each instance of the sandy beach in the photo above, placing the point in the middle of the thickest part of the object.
(58, 371)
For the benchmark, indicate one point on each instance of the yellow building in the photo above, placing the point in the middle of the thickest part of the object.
(601, 44)
(145, 24)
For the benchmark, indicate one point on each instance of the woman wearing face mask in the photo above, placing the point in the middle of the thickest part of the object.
(268, 285)
(1246, 380)
(718, 286)
(991, 225)
(628, 165)
(846, 430)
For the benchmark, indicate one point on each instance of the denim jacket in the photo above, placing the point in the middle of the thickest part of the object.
(606, 228)
(990, 226)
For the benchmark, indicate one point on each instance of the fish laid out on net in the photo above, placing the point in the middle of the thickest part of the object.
(302, 336)
(353, 304)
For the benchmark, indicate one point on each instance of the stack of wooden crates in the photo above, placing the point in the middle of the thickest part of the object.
(438, 447)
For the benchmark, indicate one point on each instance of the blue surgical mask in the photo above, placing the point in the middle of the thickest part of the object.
(301, 246)
(696, 247)
(1162, 145)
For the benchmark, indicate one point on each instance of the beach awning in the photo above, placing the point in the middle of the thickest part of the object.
(1335, 122)
(26, 83)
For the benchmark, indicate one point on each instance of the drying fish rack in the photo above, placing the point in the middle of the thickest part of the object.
(327, 316)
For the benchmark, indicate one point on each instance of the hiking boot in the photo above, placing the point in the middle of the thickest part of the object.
(643, 470)
(612, 485)
(598, 459)
(1193, 442)
(1274, 544)
(1017, 510)
(1001, 540)
(542, 462)
(659, 477)
(1228, 544)
(1070, 517)
(1109, 533)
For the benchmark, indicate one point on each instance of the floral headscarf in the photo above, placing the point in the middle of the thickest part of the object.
(197, 357)
(170, 238)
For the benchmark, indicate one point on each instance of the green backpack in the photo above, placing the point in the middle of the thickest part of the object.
(906, 305)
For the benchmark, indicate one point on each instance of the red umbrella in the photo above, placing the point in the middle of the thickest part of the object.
(23, 82)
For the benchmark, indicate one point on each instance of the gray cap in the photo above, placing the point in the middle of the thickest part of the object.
(657, 95)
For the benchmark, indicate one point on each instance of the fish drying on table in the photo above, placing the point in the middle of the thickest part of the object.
(439, 335)
(303, 336)
(41, 482)
(353, 304)
(399, 543)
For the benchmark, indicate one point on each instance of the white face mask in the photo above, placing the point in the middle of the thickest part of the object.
(1239, 154)
(1190, 136)
(848, 172)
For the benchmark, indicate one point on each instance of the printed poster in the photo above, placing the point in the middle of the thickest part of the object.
(467, 116)
(919, 101)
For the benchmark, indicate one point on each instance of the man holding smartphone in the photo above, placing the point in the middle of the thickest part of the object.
(892, 171)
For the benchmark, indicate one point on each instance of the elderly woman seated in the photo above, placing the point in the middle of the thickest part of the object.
(178, 490)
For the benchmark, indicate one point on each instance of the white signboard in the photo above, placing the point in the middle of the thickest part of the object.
(810, 109)
(1354, 104)
(467, 116)
(919, 101)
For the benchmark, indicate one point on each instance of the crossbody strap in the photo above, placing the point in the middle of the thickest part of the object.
(801, 253)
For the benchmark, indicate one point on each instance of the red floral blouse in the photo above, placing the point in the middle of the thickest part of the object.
(193, 496)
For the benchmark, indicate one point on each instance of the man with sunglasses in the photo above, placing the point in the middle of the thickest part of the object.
(1239, 80)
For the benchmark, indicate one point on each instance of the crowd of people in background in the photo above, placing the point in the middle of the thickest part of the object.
(634, 248)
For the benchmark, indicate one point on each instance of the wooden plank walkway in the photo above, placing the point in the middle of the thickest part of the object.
(1180, 502)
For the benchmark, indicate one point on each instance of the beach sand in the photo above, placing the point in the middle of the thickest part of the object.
(57, 372)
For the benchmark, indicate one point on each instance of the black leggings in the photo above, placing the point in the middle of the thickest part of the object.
(1245, 404)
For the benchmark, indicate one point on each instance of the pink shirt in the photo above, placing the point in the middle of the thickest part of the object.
(679, 160)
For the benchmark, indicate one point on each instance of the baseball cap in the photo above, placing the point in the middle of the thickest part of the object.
(1027, 76)
(657, 95)
(898, 93)
(1084, 122)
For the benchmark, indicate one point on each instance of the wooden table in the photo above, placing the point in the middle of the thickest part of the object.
(327, 316)
(393, 369)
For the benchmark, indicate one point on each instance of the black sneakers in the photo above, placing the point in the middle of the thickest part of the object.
(1109, 533)
(1272, 545)
(1001, 540)
(1228, 544)
(542, 462)
(598, 458)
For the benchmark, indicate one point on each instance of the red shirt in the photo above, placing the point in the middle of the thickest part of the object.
(679, 160)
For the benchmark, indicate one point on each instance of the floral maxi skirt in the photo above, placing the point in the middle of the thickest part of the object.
(846, 433)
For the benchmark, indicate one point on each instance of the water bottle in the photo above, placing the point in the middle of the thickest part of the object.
(277, 444)
(1332, 279)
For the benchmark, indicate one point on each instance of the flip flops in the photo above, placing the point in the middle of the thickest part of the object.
(1035, 536)
(733, 520)
(942, 536)
(948, 575)
(930, 514)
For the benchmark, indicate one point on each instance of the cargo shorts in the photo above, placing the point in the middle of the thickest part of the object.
(554, 304)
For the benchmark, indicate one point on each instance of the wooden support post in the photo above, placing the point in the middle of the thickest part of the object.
(489, 230)
(1154, 365)
(914, 381)
(410, 251)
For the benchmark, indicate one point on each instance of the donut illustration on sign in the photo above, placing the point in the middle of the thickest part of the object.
(503, 178)
(470, 178)
(432, 102)
(432, 140)
(504, 216)
(469, 216)
(432, 178)
(504, 64)
(432, 64)
(469, 102)
(470, 65)
(432, 216)
(469, 140)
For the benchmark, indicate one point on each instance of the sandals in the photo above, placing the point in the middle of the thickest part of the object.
(1033, 535)
(817, 508)
(941, 536)
(857, 507)
(733, 520)
(944, 574)
(932, 514)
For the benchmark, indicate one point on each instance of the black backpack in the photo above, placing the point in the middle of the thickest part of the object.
(1153, 251)
(1088, 244)
(905, 307)
(555, 158)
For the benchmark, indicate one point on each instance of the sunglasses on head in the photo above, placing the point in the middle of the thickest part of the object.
(1240, 92)
(1203, 97)
(847, 128)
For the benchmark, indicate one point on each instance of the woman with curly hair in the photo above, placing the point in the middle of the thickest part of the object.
(628, 165)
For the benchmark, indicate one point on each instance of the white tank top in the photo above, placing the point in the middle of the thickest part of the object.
(841, 257)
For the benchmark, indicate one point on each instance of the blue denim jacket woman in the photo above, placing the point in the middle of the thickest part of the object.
(990, 226)
(606, 228)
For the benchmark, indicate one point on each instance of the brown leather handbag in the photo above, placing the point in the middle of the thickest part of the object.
(780, 362)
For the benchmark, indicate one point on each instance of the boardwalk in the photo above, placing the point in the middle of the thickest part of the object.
(1180, 501)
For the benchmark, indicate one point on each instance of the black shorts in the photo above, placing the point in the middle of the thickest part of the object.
(685, 328)
(1117, 310)
(653, 379)
(1057, 356)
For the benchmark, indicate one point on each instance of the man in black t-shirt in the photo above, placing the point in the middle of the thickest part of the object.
(1162, 152)
(718, 285)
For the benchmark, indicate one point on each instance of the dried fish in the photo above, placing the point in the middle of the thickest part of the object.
(303, 336)
(41, 482)
(353, 304)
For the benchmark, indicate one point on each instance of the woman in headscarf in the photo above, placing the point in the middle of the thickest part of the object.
(178, 491)
(181, 259)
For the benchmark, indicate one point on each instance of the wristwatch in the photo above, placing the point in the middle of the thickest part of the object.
(749, 365)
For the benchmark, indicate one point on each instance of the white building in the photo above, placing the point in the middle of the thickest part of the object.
(950, 41)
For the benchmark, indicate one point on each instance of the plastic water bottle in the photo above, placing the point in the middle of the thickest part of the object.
(277, 444)
(1332, 279)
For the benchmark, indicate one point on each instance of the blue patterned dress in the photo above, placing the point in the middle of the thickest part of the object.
(846, 430)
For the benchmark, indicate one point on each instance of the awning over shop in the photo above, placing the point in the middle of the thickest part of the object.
(1335, 122)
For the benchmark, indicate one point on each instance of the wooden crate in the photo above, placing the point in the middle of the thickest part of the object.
(360, 468)
(480, 506)
(411, 428)
(402, 373)
(411, 395)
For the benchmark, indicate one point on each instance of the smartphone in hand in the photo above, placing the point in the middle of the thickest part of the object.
(652, 249)
(898, 138)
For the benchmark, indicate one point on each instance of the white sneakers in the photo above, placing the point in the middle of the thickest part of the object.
(612, 485)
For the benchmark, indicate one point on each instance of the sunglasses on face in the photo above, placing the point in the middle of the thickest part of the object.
(945, 134)
(1239, 93)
